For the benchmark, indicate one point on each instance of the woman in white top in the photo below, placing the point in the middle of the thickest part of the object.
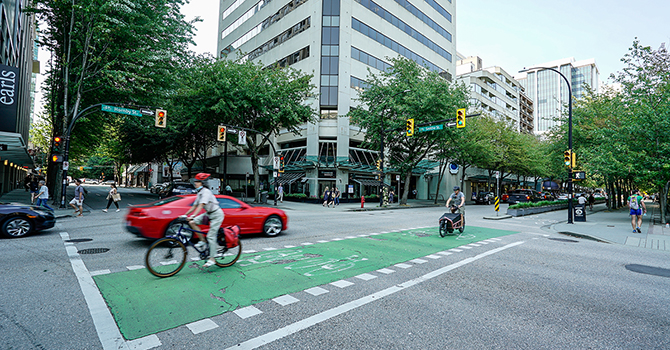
(110, 198)
(43, 196)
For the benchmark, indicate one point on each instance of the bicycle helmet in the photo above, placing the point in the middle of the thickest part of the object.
(456, 188)
(202, 177)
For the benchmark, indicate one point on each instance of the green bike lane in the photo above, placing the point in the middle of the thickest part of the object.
(143, 304)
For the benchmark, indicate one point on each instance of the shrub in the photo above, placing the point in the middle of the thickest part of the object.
(537, 204)
(295, 195)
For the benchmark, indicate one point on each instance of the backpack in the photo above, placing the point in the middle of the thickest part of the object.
(633, 204)
(230, 237)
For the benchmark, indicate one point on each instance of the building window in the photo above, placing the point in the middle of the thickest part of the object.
(370, 60)
(330, 51)
(280, 39)
(291, 59)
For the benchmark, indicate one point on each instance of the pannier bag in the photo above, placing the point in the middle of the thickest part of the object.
(229, 237)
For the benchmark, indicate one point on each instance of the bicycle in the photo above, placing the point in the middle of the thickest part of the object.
(451, 221)
(167, 256)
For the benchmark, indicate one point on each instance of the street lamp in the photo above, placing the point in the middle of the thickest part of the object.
(381, 150)
(569, 132)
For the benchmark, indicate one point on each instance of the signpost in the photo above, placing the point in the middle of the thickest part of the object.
(66, 165)
(497, 205)
(275, 163)
(242, 137)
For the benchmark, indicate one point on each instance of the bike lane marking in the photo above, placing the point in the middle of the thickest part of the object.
(336, 311)
(138, 300)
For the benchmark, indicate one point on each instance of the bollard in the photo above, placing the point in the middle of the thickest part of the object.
(362, 201)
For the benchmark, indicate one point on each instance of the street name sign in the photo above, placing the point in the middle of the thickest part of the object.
(121, 110)
(429, 128)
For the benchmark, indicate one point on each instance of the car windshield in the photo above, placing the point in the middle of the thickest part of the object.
(165, 201)
(183, 186)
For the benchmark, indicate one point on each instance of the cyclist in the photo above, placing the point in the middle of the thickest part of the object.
(205, 200)
(459, 200)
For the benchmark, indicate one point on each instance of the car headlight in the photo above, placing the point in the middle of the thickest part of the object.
(43, 213)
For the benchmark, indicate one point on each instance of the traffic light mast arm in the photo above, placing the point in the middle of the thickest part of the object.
(434, 122)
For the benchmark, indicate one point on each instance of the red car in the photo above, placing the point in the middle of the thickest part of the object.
(153, 220)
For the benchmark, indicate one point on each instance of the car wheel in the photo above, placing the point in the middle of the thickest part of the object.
(272, 226)
(17, 227)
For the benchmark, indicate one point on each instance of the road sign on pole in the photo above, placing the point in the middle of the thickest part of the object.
(275, 163)
(242, 137)
(121, 110)
(430, 128)
(147, 112)
(66, 165)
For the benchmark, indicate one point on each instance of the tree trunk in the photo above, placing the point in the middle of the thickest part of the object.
(465, 167)
(405, 191)
(663, 202)
(440, 176)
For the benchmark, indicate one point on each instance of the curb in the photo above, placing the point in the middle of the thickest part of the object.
(394, 208)
(498, 217)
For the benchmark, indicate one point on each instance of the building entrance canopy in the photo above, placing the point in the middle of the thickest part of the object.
(16, 152)
(369, 182)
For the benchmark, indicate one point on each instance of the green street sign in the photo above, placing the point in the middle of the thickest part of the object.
(430, 128)
(121, 110)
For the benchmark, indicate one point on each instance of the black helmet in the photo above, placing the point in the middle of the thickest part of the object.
(456, 188)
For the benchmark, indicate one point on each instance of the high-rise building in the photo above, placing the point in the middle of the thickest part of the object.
(337, 41)
(549, 91)
(17, 36)
(493, 91)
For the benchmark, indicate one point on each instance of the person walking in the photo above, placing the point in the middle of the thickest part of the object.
(280, 193)
(391, 196)
(34, 187)
(43, 196)
(113, 197)
(582, 200)
(326, 197)
(78, 201)
(634, 203)
(336, 197)
(229, 190)
(592, 200)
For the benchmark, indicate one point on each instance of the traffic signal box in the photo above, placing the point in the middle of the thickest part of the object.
(460, 118)
(569, 158)
(410, 127)
(221, 134)
(379, 164)
(161, 118)
(281, 164)
(57, 143)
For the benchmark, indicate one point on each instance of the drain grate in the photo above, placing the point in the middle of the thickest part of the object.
(93, 251)
(564, 240)
(648, 270)
(79, 240)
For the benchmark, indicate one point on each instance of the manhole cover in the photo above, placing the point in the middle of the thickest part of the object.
(564, 240)
(79, 240)
(648, 270)
(93, 251)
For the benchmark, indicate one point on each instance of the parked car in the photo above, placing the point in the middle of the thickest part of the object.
(505, 197)
(562, 196)
(485, 197)
(18, 220)
(154, 220)
(109, 182)
(158, 187)
(176, 188)
(520, 196)
(547, 196)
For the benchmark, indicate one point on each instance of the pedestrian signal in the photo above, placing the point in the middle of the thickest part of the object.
(161, 116)
(567, 158)
(410, 127)
(57, 158)
(221, 134)
(460, 118)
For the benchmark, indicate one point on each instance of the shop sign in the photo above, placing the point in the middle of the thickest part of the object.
(330, 174)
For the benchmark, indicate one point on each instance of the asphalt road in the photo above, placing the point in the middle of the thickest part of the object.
(521, 291)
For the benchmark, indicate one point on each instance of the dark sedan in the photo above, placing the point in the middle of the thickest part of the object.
(18, 220)
(520, 196)
(176, 188)
(485, 198)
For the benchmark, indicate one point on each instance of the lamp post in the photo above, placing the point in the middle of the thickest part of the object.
(381, 150)
(539, 69)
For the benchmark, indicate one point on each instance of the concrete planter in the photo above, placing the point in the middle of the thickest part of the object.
(536, 210)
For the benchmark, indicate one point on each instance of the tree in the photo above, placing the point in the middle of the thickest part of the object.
(406, 91)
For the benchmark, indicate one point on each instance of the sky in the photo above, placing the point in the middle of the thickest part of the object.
(514, 34)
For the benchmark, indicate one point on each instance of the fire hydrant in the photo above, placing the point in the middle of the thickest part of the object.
(362, 201)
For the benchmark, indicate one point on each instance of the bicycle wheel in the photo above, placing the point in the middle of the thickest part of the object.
(443, 229)
(228, 255)
(166, 257)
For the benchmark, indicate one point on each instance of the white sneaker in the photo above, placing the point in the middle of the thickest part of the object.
(105, 210)
(209, 263)
(118, 210)
(200, 245)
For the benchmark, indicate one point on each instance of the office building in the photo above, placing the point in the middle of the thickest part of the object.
(337, 41)
(550, 92)
(17, 36)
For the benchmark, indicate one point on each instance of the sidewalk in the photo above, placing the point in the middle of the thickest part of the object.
(614, 226)
(369, 206)
(23, 197)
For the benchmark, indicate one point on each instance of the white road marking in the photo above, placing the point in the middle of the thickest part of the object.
(375, 234)
(455, 250)
(171, 262)
(195, 258)
(145, 343)
(202, 326)
(465, 247)
(289, 246)
(403, 266)
(247, 312)
(268, 249)
(336, 311)
(433, 256)
(322, 241)
(474, 245)
(418, 261)
(316, 291)
(104, 323)
(338, 239)
(306, 243)
(248, 251)
(100, 272)
(342, 284)
(386, 271)
(363, 235)
(349, 237)
(482, 242)
(444, 253)
(285, 300)
(135, 267)
(366, 276)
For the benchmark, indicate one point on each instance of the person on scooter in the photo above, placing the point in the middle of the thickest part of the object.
(458, 199)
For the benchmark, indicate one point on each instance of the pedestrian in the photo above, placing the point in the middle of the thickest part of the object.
(592, 200)
(43, 196)
(326, 197)
(634, 203)
(280, 193)
(78, 201)
(581, 200)
(336, 197)
(414, 193)
(229, 190)
(34, 188)
(113, 197)
(391, 196)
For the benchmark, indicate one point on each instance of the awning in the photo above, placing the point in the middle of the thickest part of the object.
(368, 182)
(141, 169)
(288, 178)
(16, 152)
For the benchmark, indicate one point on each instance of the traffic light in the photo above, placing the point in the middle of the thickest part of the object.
(567, 158)
(573, 159)
(57, 158)
(410, 127)
(460, 118)
(281, 164)
(57, 143)
(81, 168)
(221, 134)
(161, 116)
(379, 164)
